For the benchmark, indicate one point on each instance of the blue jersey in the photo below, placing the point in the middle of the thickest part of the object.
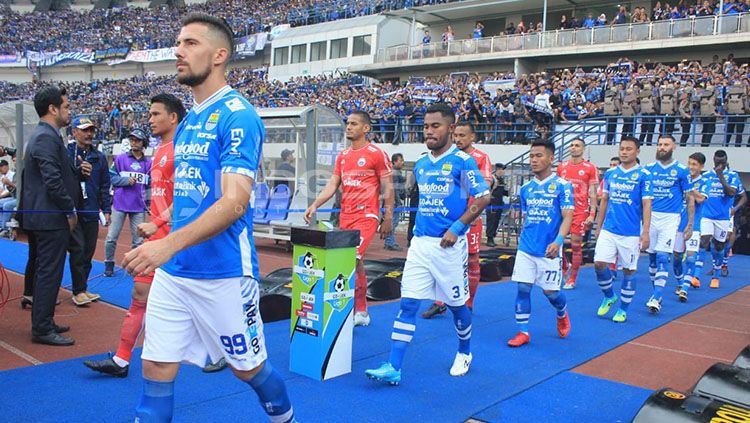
(542, 203)
(717, 205)
(221, 135)
(699, 188)
(445, 185)
(626, 190)
(670, 184)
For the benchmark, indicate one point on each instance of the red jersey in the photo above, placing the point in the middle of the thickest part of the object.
(162, 187)
(483, 163)
(360, 172)
(582, 176)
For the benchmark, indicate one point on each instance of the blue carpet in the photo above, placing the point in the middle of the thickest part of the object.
(115, 290)
(427, 391)
(570, 397)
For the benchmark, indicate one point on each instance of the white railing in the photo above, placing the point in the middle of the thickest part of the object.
(658, 30)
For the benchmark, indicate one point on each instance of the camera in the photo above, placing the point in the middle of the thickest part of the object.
(10, 151)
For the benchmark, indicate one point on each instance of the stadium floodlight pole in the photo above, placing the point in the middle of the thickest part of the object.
(544, 21)
(414, 28)
(719, 16)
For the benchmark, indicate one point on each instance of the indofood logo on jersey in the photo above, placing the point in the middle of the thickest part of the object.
(192, 150)
(621, 186)
(339, 292)
(306, 271)
(213, 119)
(433, 188)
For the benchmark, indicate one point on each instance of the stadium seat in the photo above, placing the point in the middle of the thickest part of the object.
(299, 202)
(262, 193)
(278, 205)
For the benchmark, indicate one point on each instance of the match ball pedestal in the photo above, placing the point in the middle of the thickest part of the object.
(323, 280)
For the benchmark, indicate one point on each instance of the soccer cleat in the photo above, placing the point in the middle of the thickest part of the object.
(620, 316)
(521, 338)
(724, 270)
(570, 284)
(683, 296)
(714, 283)
(215, 367)
(435, 310)
(107, 366)
(678, 290)
(654, 305)
(361, 318)
(563, 326)
(695, 283)
(606, 305)
(461, 364)
(385, 373)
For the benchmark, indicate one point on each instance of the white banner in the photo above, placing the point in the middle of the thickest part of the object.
(148, 56)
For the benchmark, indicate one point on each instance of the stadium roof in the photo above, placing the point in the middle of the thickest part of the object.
(8, 121)
(474, 9)
(331, 26)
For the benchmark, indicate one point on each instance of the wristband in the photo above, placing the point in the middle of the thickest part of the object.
(457, 227)
(560, 240)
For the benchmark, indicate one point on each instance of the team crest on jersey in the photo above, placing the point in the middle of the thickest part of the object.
(552, 187)
(213, 119)
(447, 168)
(581, 172)
(135, 166)
(634, 176)
(361, 162)
(163, 161)
(673, 172)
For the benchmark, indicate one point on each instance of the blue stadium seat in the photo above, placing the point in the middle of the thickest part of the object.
(278, 205)
(262, 194)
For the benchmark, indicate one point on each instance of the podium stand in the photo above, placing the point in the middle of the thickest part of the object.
(323, 279)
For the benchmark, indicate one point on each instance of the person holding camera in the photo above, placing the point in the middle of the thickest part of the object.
(95, 185)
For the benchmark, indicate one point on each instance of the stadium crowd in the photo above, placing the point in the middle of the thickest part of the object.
(506, 108)
(139, 28)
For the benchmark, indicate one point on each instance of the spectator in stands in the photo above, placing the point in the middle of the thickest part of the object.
(95, 185)
(399, 189)
(589, 22)
(129, 174)
(286, 170)
(602, 20)
(621, 17)
(7, 195)
(478, 30)
(564, 24)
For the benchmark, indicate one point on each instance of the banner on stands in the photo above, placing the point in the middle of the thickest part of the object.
(148, 56)
(47, 59)
(247, 46)
(111, 53)
(278, 30)
(8, 58)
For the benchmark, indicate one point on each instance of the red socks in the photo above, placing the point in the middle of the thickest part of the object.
(474, 274)
(131, 328)
(577, 259)
(360, 292)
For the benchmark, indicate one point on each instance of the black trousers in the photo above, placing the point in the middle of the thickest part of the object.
(50, 264)
(493, 221)
(648, 124)
(30, 274)
(611, 129)
(627, 126)
(709, 127)
(735, 126)
(81, 248)
(667, 125)
(686, 124)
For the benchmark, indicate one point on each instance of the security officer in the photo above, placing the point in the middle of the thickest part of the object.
(736, 106)
(668, 108)
(707, 111)
(648, 114)
(630, 108)
(685, 109)
(612, 109)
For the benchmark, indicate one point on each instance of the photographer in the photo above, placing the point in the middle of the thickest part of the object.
(93, 172)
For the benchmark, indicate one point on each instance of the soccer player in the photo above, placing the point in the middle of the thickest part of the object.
(464, 137)
(547, 204)
(584, 177)
(740, 200)
(624, 213)
(690, 245)
(723, 185)
(165, 114)
(361, 170)
(204, 299)
(436, 264)
(671, 188)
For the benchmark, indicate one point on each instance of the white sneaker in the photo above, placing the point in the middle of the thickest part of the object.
(361, 318)
(461, 364)
(654, 306)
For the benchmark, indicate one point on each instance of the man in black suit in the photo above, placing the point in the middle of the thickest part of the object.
(49, 183)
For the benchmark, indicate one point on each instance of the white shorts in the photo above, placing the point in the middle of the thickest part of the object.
(624, 250)
(541, 271)
(693, 244)
(192, 319)
(716, 228)
(432, 272)
(731, 224)
(661, 232)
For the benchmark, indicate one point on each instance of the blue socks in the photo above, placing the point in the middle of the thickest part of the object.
(403, 330)
(725, 258)
(157, 402)
(272, 394)
(627, 291)
(689, 272)
(462, 320)
(523, 306)
(652, 266)
(718, 256)
(677, 265)
(558, 301)
(604, 278)
(662, 261)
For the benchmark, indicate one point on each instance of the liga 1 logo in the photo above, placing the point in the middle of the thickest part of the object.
(305, 269)
(339, 291)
